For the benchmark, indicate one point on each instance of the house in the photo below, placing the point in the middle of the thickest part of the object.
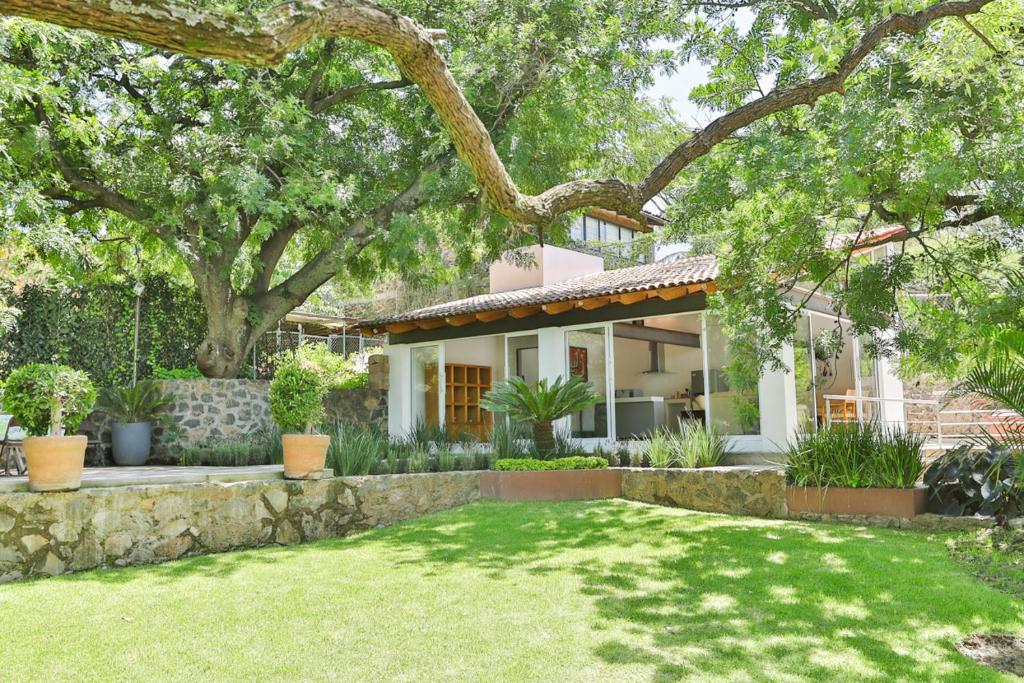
(643, 339)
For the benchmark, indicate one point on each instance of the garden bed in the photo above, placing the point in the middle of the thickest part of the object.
(551, 485)
(857, 501)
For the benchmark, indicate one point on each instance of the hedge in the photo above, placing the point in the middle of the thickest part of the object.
(577, 462)
(91, 328)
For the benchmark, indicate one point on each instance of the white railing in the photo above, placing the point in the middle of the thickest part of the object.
(943, 428)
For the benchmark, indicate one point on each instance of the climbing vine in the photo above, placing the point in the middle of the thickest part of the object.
(91, 328)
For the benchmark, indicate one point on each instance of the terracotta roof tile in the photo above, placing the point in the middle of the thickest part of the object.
(683, 271)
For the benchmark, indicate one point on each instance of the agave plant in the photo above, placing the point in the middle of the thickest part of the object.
(133, 404)
(540, 405)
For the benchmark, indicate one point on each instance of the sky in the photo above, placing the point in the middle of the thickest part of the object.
(676, 87)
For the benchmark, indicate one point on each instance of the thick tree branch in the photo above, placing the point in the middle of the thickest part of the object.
(270, 254)
(269, 37)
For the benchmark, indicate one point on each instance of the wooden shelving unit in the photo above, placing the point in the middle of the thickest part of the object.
(465, 385)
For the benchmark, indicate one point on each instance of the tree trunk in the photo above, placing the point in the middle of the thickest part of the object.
(544, 439)
(229, 336)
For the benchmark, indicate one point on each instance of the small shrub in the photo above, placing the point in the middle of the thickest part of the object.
(418, 461)
(262, 447)
(966, 482)
(177, 373)
(446, 460)
(335, 371)
(522, 464)
(856, 456)
(700, 446)
(661, 448)
(48, 399)
(355, 449)
(533, 464)
(296, 399)
(580, 462)
(507, 437)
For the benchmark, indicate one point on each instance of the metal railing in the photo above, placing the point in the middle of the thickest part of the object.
(943, 428)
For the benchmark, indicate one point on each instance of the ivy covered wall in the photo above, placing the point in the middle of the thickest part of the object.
(92, 328)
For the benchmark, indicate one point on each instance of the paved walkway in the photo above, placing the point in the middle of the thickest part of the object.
(100, 477)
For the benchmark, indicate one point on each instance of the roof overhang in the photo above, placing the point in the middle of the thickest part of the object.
(551, 308)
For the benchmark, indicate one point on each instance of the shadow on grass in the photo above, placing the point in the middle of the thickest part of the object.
(708, 595)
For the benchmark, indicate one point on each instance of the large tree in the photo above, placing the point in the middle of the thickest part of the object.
(266, 183)
(398, 154)
(930, 140)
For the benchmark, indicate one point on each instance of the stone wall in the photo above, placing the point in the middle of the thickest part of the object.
(46, 534)
(358, 406)
(758, 491)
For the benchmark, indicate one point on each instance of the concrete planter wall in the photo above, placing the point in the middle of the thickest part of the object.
(845, 501)
(551, 485)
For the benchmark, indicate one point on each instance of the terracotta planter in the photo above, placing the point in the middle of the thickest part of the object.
(304, 455)
(55, 462)
(868, 502)
(551, 485)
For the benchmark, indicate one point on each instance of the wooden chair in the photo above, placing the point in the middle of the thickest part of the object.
(11, 453)
(842, 411)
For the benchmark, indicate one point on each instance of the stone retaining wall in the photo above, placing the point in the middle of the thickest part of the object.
(46, 534)
(758, 491)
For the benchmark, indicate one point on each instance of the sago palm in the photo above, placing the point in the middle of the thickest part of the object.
(540, 405)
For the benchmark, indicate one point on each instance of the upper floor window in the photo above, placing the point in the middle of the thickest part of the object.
(590, 229)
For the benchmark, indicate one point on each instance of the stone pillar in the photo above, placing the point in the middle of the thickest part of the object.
(776, 393)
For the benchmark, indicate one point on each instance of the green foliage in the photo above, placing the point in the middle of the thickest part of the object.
(919, 139)
(540, 405)
(507, 439)
(533, 464)
(140, 403)
(296, 398)
(91, 327)
(356, 449)
(856, 456)
(48, 399)
(176, 373)
(336, 371)
(967, 482)
(691, 445)
(998, 375)
(262, 447)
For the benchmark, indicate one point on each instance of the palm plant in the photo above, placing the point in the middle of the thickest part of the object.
(998, 375)
(540, 405)
(133, 404)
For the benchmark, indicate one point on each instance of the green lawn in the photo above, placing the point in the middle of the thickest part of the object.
(610, 591)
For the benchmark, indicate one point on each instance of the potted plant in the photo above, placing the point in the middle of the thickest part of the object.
(297, 405)
(47, 401)
(133, 410)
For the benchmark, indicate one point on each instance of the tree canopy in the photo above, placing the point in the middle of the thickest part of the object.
(345, 136)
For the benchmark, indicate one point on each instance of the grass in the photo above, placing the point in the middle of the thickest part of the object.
(996, 556)
(601, 590)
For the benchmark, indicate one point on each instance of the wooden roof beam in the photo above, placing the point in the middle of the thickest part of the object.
(594, 302)
(634, 297)
(432, 324)
(491, 316)
(559, 307)
(402, 327)
(670, 293)
(460, 320)
(524, 311)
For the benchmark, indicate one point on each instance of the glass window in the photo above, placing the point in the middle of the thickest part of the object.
(577, 229)
(732, 412)
(522, 360)
(585, 351)
(804, 373)
(425, 397)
